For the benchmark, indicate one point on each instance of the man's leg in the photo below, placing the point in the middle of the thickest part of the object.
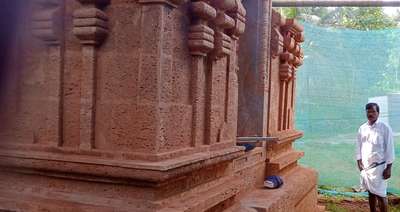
(372, 201)
(383, 203)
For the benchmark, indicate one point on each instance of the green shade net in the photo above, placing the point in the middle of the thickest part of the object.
(342, 69)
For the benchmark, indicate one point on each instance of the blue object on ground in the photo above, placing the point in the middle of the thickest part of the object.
(273, 181)
(248, 147)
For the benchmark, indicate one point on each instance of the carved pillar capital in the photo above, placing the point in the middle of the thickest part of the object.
(224, 4)
(291, 26)
(294, 35)
(216, 24)
(238, 13)
(286, 66)
(47, 21)
(201, 36)
(90, 23)
(223, 42)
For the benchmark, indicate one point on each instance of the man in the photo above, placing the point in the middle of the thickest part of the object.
(375, 155)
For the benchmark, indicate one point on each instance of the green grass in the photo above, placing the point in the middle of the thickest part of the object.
(335, 208)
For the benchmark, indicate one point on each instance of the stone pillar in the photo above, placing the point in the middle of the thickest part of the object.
(201, 42)
(286, 57)
(254, 66)
(90, 26)
(48, 25)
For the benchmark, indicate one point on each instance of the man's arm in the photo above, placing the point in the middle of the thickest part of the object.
(389, 154)
(387, 173)
(360, 165)
(358, 151)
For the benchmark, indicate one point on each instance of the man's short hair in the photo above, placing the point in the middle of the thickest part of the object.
(371, 105)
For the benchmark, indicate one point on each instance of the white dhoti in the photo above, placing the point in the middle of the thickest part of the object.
(372, 180)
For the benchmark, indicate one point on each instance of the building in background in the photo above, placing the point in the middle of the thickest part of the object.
(389, 107)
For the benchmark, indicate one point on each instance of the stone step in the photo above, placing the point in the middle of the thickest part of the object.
(204, 197)
(298, 193)
(275, 165)
(321, 208)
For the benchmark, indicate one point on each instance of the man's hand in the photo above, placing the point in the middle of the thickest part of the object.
(387, 173)
(360, 165)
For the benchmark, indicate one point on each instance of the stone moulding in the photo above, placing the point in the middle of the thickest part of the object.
(90, 25)
(286, 136)
(172, 3)
(107, 170)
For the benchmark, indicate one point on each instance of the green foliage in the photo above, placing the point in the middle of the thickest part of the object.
(390, 74)
(289, 12)
(360, 18)
(366, 18)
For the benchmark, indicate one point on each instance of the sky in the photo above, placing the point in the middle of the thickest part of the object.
(391, 10)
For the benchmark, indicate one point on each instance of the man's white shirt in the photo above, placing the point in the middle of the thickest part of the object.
(375, 144)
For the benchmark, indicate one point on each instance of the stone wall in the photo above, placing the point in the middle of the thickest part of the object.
(133, 106)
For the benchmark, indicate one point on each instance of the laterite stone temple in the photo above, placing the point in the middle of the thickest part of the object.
(145, 105)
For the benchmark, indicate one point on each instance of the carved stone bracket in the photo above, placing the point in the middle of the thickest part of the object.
(238, 13)
(90, 23)
(201, 37)
(291, 56)
(223, 45)
(221, 24)
(46, 22)
(286, 68)
(216, 24)
(276, 36)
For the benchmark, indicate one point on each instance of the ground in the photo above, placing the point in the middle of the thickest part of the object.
(342, 204)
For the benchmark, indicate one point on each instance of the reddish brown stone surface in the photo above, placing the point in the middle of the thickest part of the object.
(267, 80)
(133, 106)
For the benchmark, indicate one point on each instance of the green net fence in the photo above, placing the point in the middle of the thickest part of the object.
(343, 69)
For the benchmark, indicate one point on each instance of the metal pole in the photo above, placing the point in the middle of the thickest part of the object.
(335, 3)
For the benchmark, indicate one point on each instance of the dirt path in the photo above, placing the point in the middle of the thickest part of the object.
(338, 204)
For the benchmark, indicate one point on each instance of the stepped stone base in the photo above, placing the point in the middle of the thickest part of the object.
(228, 186)
(299, 193)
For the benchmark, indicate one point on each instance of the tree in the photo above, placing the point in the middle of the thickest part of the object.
(360, 18)
(366, 19)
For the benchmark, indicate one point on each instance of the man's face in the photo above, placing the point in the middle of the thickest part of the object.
(372, 114)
